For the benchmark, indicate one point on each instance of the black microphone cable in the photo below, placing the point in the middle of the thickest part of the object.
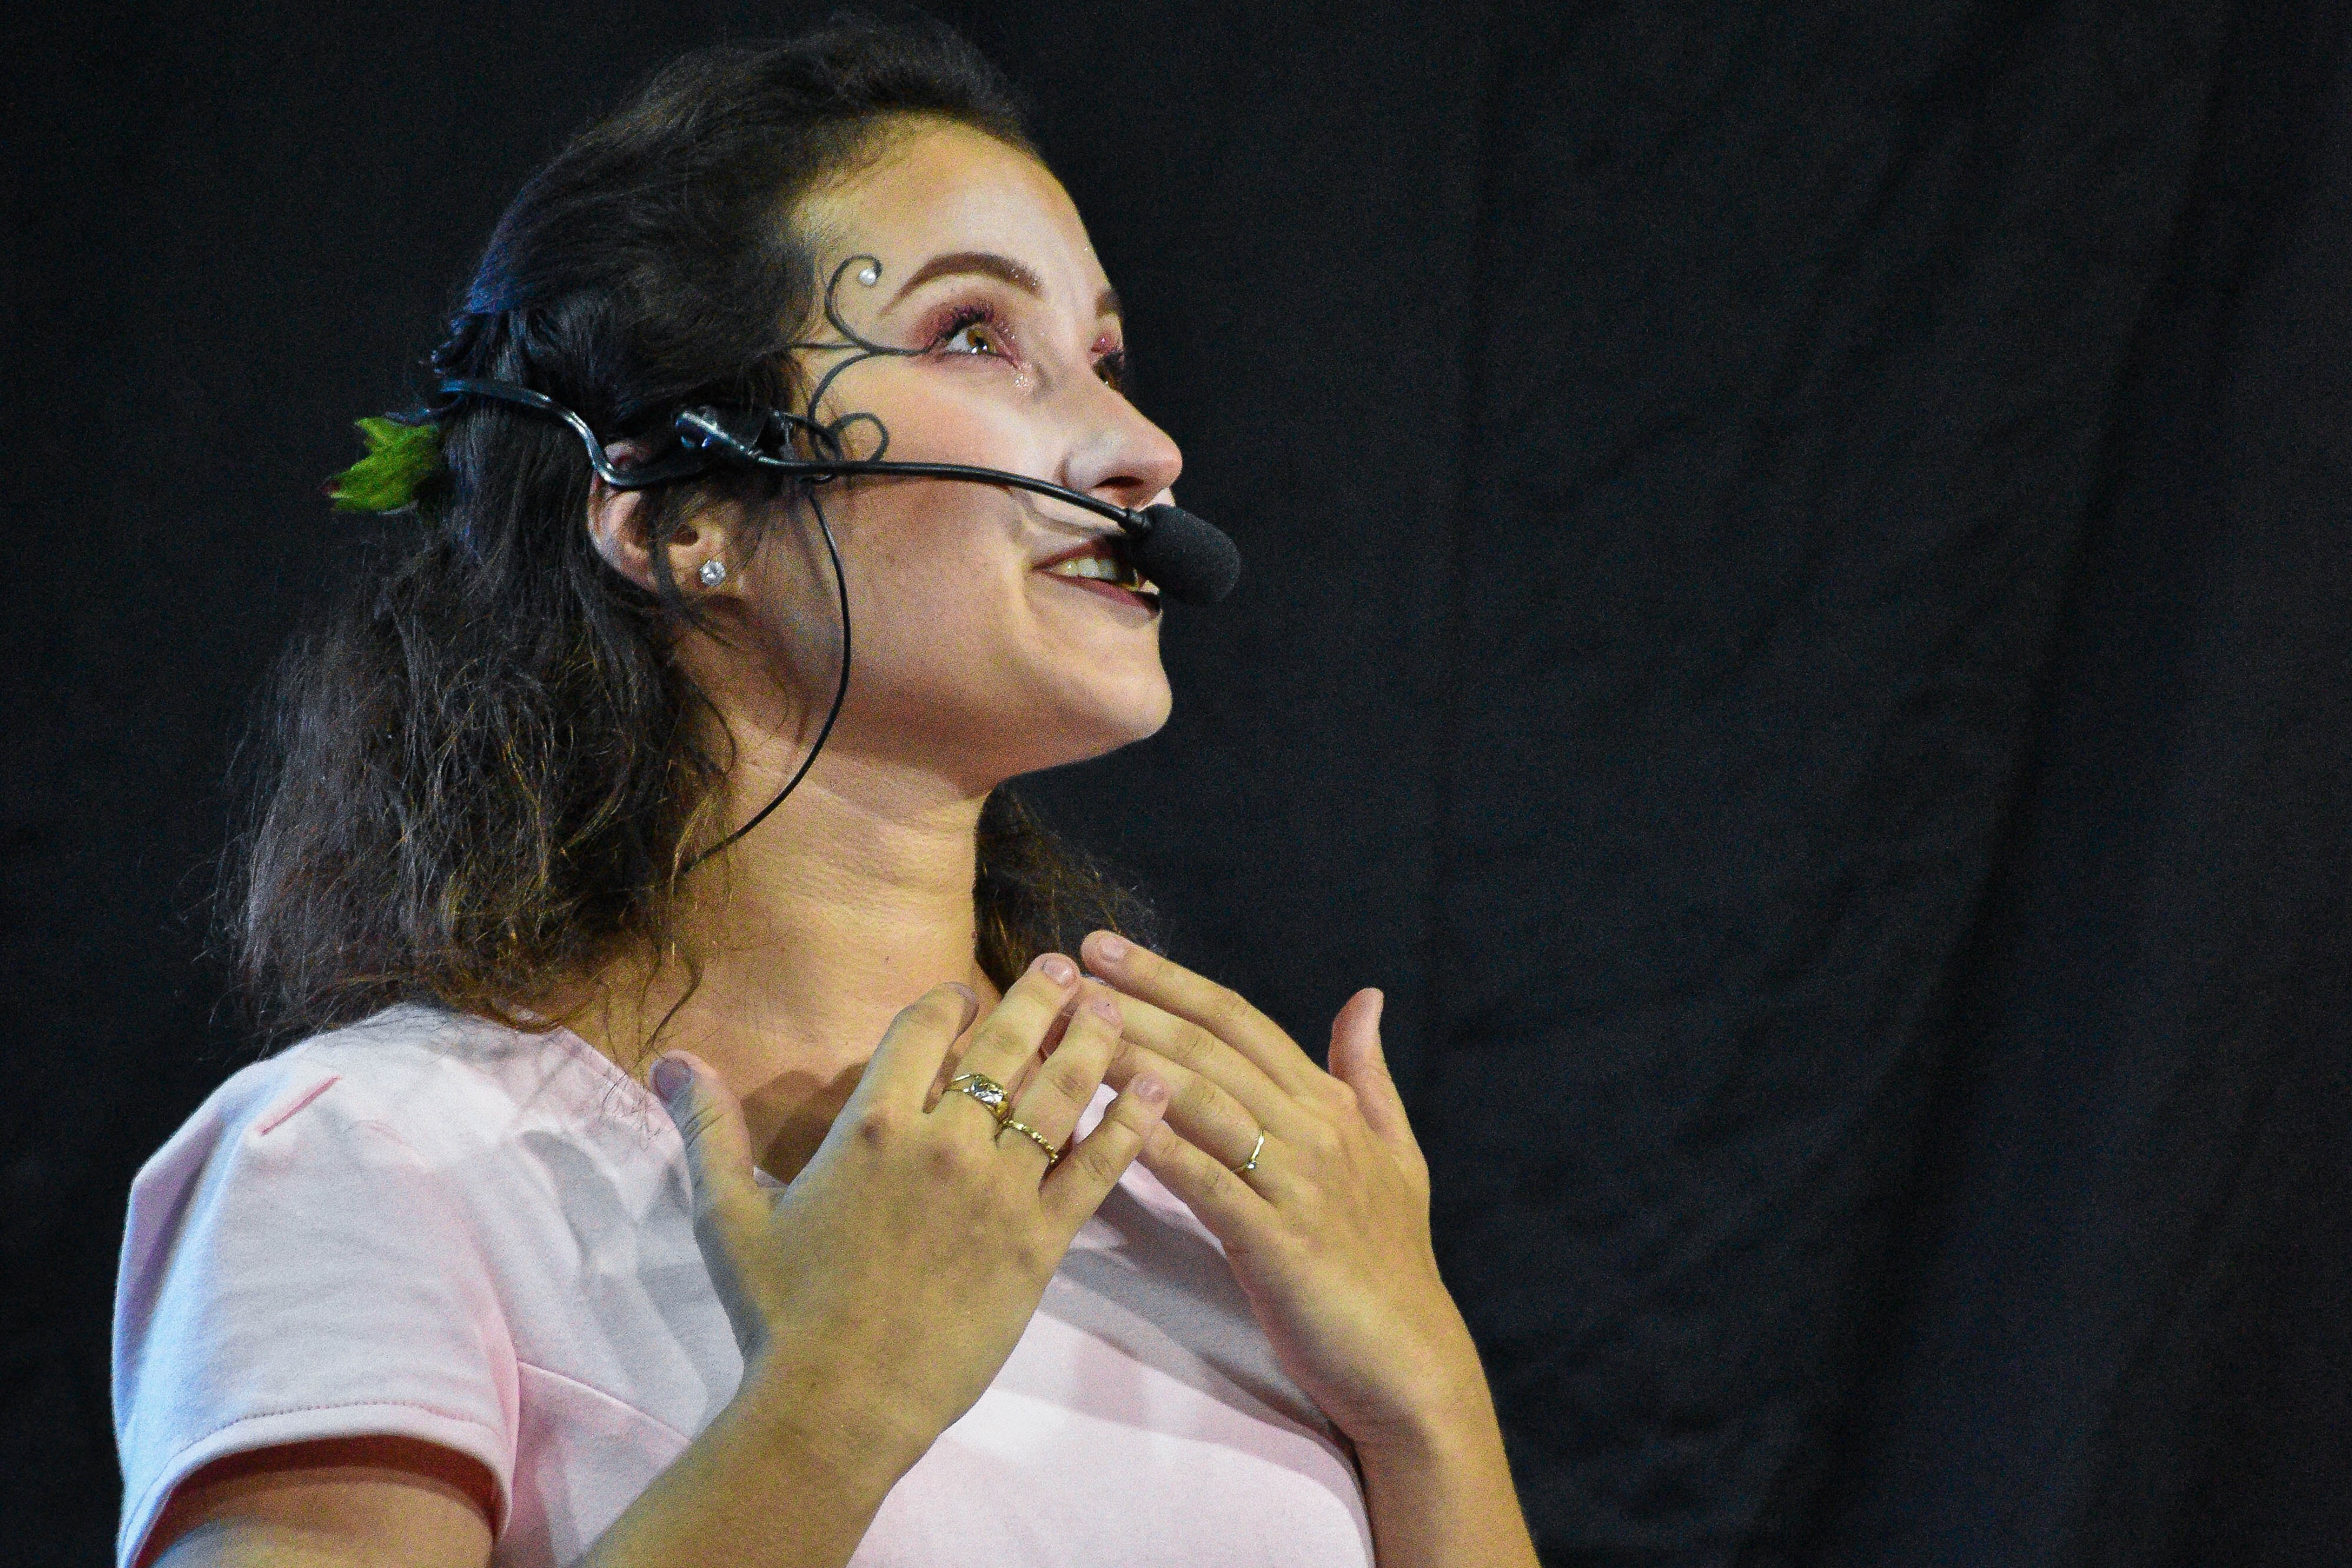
(840, 694)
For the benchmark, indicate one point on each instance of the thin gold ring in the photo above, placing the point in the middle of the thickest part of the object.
(985, 1090)
(1256, 1149)
(1053, 1154)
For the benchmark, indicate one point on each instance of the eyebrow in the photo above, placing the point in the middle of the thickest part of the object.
(988, 263)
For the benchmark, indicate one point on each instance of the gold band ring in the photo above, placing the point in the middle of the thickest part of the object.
(985, 1090)
(1053, 1154)
(1256, 1149)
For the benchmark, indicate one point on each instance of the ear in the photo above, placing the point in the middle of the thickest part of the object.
(619, 523)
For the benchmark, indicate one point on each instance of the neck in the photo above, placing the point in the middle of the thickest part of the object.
(851, 899)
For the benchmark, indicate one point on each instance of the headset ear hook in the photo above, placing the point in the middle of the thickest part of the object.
(729, 434)
(752, 436)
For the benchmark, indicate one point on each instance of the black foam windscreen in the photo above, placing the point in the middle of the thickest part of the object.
(1191, 562)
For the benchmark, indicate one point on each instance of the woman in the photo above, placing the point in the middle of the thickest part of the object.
(445, 1284)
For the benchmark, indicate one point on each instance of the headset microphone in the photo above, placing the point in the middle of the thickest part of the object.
(1187, 558)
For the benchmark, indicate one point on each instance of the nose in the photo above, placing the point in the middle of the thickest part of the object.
(1119, 455)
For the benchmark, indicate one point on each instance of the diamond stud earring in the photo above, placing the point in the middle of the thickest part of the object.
(713, 572)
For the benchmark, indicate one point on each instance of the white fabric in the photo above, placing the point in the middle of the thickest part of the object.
(431, 1227)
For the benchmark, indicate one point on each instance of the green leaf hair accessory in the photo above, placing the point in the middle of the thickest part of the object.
(399, 458)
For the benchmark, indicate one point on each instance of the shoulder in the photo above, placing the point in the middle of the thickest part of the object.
(439, 1084)
(420, 1070)
(414, 1139)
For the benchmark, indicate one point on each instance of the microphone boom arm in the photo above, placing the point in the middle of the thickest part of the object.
(1190, 559)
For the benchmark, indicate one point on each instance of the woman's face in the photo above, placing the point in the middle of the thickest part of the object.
(975, 656)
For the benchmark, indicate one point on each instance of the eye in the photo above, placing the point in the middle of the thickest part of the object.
(1112, 368)
(973, 329)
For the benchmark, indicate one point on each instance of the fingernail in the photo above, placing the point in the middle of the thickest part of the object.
(966, 992)
(1110, 949)
(670, 1075)
(1056, 967)
(1147, 1090)
(1103, 1008)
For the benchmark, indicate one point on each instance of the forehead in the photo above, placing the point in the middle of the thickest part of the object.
(937, 186)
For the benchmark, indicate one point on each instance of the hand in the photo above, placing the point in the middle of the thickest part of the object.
(883, 1289)
(1329, 1234)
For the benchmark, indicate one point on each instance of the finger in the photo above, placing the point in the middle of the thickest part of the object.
(728, 1210)
(1359, 1061)
(1064, 1084)
(1074, 1189)
(1199, 1110)
(1008, 1038)
(1140, 972)
(1235, 1213)
(907, 1063)
(1190, 1046)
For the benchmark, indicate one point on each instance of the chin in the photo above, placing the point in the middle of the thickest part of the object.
(1137, 715)
(1097, 720)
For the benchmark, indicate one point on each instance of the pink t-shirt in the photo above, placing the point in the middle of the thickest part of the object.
(431, 1227)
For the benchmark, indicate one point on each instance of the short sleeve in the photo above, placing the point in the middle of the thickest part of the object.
(292, 1270)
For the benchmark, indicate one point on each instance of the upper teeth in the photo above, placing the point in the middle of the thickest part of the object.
(1100, 568)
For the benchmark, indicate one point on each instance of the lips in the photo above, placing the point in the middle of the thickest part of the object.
(1097, 566)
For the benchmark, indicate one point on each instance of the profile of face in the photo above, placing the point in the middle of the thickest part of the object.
(987, 641)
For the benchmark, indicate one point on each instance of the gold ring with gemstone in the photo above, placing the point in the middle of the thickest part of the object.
(1053, 1154)
(985, 1090)
(1256, 1149)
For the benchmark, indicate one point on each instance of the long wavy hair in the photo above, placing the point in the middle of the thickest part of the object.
(483, 780)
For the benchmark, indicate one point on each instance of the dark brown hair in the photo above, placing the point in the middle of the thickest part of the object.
(483, 776)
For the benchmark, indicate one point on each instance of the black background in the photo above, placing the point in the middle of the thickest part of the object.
(1799, 620)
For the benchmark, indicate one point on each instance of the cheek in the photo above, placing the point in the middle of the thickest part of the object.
(959, 639)
(947, 614)
(932, 601)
